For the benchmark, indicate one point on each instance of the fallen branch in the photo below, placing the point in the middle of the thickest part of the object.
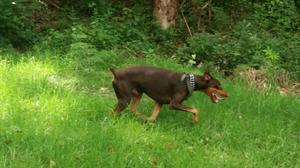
(46, 2)
(207, 3)
(186, 23)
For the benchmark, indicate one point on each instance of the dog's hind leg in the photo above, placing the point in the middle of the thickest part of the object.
(123, 94)
(120, 107)
(136, 98)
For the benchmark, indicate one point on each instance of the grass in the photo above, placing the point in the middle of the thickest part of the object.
(55, 112)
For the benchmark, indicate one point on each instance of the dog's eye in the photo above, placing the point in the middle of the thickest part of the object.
(217, 87)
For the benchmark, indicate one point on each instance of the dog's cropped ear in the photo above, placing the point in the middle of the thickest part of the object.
(206, 74)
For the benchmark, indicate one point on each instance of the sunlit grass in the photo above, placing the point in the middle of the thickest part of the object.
(56, 114)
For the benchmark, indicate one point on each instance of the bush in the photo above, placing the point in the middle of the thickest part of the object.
(127, 30)
(221, 20)
(205, 46)
(89, 7)
(277, 15)
(58, 41)
(15, 27)
(96, 33)
(289, 51)
(89, 58)
(226, 52)
(244, 46)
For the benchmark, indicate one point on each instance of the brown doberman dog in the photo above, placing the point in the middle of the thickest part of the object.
(164, 87)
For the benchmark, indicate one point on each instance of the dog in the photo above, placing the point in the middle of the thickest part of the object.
(164, 87)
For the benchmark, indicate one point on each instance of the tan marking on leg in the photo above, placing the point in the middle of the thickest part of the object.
(155, 112)
(187, 109)
(134, 103)
(196, 115)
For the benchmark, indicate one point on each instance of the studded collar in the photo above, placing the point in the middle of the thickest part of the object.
(189, 81)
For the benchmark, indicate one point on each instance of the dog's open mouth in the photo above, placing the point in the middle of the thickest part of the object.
(217, 95)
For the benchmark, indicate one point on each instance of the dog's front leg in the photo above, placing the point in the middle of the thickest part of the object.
(179, 106)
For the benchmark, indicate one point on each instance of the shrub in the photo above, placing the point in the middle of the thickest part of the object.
(15, 27)
(89, 58)
(221, 20)
(58, 41)
(96, 33)
(89, 7)
(289, 51)
(226, 52)
(244, 46)
(205, 46)
(277, 15)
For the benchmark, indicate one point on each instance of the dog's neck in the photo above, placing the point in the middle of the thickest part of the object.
(200, 83)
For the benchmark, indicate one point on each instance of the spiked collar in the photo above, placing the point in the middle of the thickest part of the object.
(189, 81)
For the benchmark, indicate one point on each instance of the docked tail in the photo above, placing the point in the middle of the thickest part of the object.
(114, 73)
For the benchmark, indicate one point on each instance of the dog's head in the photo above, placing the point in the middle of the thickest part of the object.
(210, 86)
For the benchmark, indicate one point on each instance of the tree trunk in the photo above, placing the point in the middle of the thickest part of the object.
(165, 12)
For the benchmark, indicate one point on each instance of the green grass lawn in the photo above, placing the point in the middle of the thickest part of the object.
(55, 112)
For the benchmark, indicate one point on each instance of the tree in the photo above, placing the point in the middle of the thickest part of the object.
(165, 12)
